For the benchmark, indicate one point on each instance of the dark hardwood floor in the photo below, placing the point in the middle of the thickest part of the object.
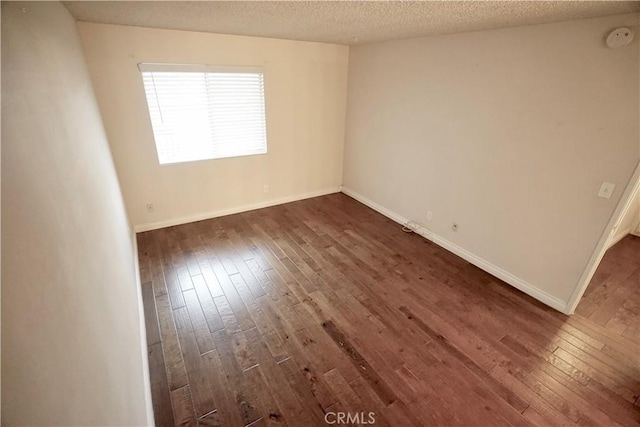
(285, 315)
(612, 299)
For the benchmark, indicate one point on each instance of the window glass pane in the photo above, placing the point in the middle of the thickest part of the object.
(206, 115)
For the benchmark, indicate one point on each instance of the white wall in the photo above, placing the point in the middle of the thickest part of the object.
(71, 331)
(507, 132)
(305, 94)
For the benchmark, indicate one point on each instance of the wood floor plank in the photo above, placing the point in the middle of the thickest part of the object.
(548, 410)
(372, 406)
(350, 399)
(284, 396)
(281, 315)
(173, 286)
(245, 397)
(198, 380)
(227, 412)
(182, 404)
(382, 389)
(616, 284)
(267, 407)
(150, 314)
(246, 274)
(242, 353)
(155, 267)
(614, 382)
(160, 395)
(614, 408)
(506, 394)
(198, 321)
(240, 312)
(184, 276)
(214, 321)
(176, 372)
(209, 276)
(295, 288)
(300, 386)
(212, 419)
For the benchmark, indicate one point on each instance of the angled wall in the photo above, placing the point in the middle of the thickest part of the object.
(72, 351)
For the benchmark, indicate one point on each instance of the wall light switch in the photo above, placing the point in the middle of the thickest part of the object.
(606, 190)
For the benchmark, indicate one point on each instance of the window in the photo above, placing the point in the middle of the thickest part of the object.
(200, 112)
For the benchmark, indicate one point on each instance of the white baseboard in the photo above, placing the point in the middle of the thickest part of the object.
(223, 212)
(143, 336)
(490, 268)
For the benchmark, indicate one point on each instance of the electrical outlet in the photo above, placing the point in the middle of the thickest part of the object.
(266, 189)
(606, 190)
(454, 226)
(150, 208)
(429, 215)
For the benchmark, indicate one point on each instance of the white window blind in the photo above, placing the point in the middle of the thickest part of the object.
(200, 113)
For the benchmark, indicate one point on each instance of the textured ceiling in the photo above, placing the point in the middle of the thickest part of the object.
(343, 22)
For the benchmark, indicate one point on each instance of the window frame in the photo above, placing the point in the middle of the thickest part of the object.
(202, 68)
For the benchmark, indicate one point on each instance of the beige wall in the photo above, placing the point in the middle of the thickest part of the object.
(507, 132)
(72, 350)
(630, 221)
(305, 94)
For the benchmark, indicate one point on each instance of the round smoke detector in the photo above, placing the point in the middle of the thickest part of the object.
(620, 37)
